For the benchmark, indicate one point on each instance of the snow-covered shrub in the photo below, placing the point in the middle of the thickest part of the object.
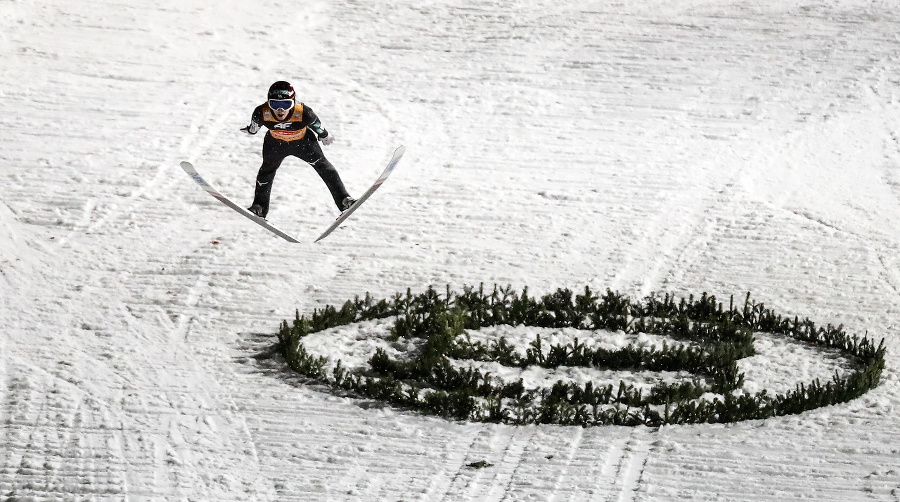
(707, 338)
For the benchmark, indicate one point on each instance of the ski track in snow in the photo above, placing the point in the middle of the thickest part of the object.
(716, 147)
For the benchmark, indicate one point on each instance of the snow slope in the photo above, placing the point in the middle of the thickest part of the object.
(668, 146)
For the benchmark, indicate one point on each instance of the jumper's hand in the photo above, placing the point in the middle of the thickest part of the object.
(252, 128)
(327, 140)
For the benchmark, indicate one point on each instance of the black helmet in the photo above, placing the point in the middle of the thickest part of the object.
(281, 90)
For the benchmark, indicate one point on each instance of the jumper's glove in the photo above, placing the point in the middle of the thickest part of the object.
(253, 128)
(327, 140)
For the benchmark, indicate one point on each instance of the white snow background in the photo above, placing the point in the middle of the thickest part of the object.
(657, 146)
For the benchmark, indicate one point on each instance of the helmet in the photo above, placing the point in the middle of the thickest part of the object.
(281, 99)
(281, 90)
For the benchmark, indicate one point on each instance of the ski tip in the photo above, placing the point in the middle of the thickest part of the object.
(186, 165)
(400, 150)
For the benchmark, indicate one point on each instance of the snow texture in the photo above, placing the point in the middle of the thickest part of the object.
(645, 147)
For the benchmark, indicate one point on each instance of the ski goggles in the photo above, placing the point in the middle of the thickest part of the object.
(281, 104)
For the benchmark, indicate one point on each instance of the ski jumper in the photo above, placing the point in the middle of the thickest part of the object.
(291, 136)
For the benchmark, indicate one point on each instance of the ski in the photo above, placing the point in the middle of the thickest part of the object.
(398, 153)
(192, 172)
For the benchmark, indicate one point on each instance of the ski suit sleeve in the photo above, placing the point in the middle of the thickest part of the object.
(314, 123)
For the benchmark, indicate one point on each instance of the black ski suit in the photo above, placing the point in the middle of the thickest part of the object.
(291, 136)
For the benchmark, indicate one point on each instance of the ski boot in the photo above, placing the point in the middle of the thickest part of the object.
(347, 202)
(257, 210)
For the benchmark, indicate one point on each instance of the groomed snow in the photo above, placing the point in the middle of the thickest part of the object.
(658, 146)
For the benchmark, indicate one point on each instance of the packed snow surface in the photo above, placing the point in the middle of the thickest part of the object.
(646, 147)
